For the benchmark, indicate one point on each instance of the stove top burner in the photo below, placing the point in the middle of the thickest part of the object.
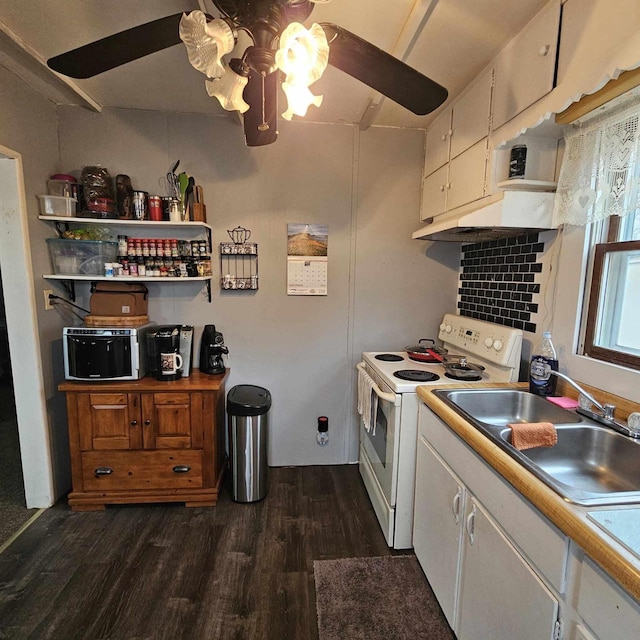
(466, 378)
(389, 357)
(415, 375)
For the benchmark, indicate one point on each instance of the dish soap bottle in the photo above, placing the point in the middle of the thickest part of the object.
(544, 357)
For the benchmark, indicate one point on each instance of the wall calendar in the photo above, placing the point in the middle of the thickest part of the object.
(307, 259)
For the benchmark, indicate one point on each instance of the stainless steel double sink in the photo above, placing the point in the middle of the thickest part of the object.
(590, 465)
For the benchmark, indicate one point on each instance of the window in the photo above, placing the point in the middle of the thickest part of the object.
(600, 186)
(614, 304)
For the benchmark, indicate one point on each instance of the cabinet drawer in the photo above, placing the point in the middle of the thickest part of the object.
(122, 470)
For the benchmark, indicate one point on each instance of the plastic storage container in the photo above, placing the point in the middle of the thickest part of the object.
(543, 360)
(57, 205)
(62, 188)
(81, 257)
(248, 411)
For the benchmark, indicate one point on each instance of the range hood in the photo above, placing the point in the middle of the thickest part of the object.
(512, 213)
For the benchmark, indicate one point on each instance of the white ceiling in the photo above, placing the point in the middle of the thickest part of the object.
(448, 40)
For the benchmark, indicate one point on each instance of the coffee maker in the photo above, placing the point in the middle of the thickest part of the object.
(211, 350)
(163, 352)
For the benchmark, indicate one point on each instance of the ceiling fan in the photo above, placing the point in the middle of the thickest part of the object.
(256, 75)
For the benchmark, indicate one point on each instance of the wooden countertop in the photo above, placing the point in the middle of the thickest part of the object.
(197, 381)
(622, 565)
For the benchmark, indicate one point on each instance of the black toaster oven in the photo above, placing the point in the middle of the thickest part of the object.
(105, 353)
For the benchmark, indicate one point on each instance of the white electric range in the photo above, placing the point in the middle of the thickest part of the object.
(388, 449)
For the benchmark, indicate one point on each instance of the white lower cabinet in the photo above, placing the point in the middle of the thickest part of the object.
(484, 586)
(500, 595)
(500, 569)
(437, 526)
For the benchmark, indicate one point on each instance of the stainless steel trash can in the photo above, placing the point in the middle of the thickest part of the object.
(248, 414)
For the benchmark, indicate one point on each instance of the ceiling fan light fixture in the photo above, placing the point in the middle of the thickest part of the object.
(228, 89)
(299, 99)
(303, 56)
(206, 42)
(303, 53)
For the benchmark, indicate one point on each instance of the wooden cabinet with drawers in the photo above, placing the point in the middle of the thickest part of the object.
(146, 441)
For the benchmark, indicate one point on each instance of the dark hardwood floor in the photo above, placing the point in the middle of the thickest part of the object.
(234, 571)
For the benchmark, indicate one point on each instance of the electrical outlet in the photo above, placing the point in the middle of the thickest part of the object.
(47, 302)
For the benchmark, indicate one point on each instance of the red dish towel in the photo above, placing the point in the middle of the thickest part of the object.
(527, 435)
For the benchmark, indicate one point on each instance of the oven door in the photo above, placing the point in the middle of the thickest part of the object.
(381, 444)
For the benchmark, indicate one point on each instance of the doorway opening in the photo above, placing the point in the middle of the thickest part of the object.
(22, 335)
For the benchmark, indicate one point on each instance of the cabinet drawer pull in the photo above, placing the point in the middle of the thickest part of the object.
(471, 521)
(103, 471)
(181, 468)
(134, 423)
(455, 505)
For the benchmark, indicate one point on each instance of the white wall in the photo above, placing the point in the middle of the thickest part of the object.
(385, 290)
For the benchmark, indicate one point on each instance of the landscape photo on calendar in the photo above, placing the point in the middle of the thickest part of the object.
(307, 239)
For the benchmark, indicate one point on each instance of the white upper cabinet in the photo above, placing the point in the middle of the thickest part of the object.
(525, 68)
(597, 36)
(470, 121)
(438, 138)
(456, 151)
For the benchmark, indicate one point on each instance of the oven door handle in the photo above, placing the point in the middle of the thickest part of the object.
(389, 397)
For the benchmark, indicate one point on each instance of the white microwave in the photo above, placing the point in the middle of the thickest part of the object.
(105, 353)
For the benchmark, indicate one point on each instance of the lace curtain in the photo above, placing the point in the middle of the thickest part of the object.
(600, 170)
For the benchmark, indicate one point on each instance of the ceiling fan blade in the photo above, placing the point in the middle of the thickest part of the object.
(118, 49)
(382, 72)
(261, 120)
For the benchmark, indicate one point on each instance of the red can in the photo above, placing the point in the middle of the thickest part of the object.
(155, 207)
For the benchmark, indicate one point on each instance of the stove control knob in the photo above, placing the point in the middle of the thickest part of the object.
(446, 328)
(488, 342)
(443, 326)
(497, 345)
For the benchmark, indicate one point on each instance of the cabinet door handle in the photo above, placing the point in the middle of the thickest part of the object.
(455, 505)
(442, 187)
(103, 471)
(181, 468)
(134, 423)
(544, 50)
(471, 525)
(147, 422)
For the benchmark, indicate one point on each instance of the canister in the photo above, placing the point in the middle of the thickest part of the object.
(140, 211)
(155, 207)
(518, 161)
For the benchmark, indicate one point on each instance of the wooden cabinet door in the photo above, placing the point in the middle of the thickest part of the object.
(168, 420)
(470, 122)
(437, 526)
(434, 193)
(437, 145)
(467, 175)
(501, 598)
(109, 421)
(525, 68)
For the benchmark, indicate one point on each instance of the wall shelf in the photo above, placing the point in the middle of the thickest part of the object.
(68, 280)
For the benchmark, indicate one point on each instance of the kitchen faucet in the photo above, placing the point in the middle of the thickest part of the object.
(606, 417)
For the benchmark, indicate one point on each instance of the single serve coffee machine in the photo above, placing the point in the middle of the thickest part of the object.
(211, 350)
(163, 351)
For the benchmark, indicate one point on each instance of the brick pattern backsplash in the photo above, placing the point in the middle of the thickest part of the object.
(500, 281)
